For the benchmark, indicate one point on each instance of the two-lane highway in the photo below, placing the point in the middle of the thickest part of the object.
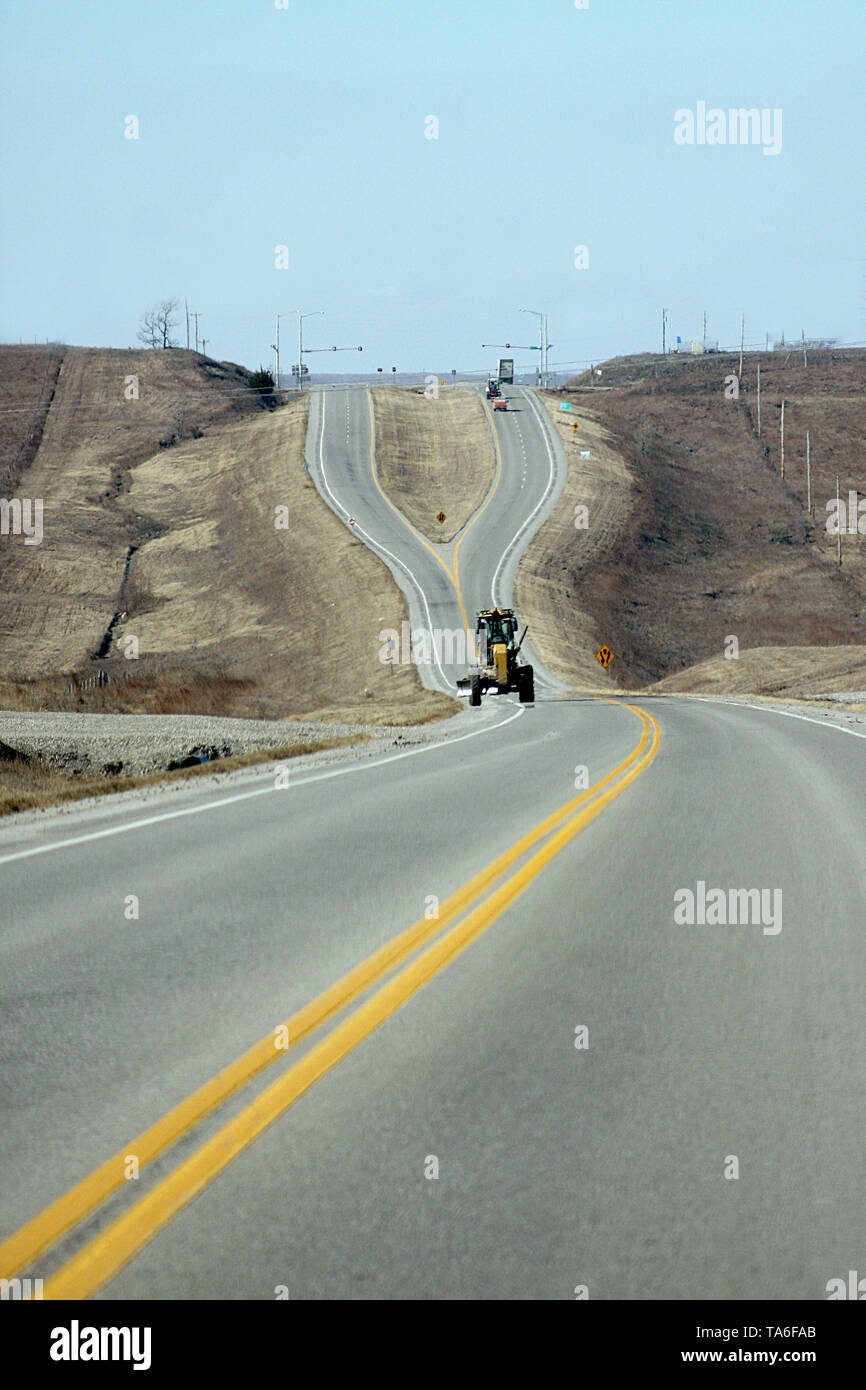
(554, 1101)
(568, 1003)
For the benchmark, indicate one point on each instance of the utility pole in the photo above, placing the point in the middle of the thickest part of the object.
(186, 307)
(204, 347)
(742, 338)
(803, 336)
(759, 400)
(808, 476)
(704, 339)
(838, 526)
(664, 333)
(782, 470)
(196, 317)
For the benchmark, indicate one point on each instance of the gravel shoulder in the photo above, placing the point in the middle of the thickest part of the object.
(80, 747)
(137, 744)
(844, 710)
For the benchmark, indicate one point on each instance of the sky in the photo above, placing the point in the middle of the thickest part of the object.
(431, 169)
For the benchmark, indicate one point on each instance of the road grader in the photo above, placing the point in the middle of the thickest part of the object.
(499, 669)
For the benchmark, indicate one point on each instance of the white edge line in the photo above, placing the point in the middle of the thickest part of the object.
(732, 702)
(822, 724)
(376, 545)
(553, 683)
(551, 482)
(246, 796)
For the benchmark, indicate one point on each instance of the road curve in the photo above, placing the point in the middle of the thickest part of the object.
(444, 584)
(558, 1166)
(455, 1023)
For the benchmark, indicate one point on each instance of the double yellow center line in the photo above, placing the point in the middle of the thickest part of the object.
(109, 1251)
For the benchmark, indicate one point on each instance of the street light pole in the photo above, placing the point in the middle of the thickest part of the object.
(276, 345)
(312, 314)
(541, 343)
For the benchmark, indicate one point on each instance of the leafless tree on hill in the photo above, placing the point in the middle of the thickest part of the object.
(157, 325)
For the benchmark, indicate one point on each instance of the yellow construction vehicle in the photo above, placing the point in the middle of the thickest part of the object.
(498, 650)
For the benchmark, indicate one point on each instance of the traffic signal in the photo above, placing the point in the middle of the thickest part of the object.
(393, 369)
(378, 369)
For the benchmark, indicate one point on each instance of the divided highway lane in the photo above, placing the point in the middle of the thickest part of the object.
(444, 585)
(557, 1166)
(533, 474)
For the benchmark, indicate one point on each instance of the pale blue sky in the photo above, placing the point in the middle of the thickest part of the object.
(306, 126)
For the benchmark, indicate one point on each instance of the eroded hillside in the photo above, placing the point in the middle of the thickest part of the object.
(186, 558)
(696, 538)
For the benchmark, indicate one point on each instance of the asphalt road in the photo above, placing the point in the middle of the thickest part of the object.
(445, 585)
(449, 1130)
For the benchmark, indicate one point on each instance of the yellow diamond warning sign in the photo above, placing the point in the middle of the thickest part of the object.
(440, 517)
(605, 656)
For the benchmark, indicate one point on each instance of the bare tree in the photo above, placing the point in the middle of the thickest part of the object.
(157, 325)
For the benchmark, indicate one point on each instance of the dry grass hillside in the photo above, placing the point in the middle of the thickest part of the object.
(59, 596)
(563, 562)
(28, 379)
(161, 534)
(695, 536)
(792, 671)
(433, 455)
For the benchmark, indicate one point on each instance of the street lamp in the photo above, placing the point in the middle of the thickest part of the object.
(542, 351)
(276, 345)
(311, 315)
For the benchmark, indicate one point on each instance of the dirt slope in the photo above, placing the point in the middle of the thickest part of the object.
(177, 547)
(709, 541)
(558, 587)
(59, 596)
(28, 378)
(793, 671)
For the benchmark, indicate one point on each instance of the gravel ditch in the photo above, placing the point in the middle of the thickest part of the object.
(136, 744)
(843, 697)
